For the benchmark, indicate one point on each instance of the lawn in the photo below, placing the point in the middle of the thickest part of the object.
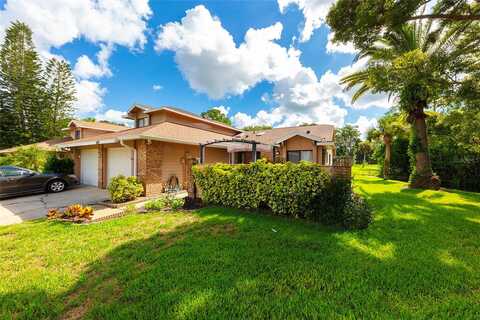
(419, 259)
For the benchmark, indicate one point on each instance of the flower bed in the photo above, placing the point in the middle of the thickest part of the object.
(74, 213)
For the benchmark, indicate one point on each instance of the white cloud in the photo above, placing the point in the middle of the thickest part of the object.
(314, 12)
(113, 115)
(223, 109)
(157, 87)
(89, 95)
(340, 47)
(57, 22)
(363, 123)
(211, 61)
(86, 69)
(213, 64)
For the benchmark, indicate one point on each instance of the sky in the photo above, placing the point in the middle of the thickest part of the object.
(260, 62)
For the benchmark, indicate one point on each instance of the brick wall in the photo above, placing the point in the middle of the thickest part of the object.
(158, 161)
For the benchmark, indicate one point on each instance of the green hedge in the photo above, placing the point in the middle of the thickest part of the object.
(55, 164)
(124, 189)
(302, 190)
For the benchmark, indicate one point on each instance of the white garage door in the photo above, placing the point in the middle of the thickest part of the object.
(89, 167)
(119, 161)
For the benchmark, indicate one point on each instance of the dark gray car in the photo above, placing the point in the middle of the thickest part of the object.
(15, 181)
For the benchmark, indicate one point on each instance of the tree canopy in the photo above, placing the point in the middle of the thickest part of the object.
(216, 115)
(362, 21)
(347, 140)
(36, 100)
(257, 127)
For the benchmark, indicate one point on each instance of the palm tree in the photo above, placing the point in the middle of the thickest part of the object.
(390, 125)
(410, 64)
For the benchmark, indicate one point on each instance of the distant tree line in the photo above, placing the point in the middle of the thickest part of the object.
(36, 97)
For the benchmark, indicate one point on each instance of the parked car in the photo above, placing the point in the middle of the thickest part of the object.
(19, 181)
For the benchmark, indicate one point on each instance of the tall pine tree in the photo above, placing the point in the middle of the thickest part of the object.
(21, 88)
(60, 92)
(35, 102)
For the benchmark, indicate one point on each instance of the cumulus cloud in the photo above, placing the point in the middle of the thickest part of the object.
(57, 22)
(89, 96)
(223, 109)
(211, 61)
(86, 68)
(363, 123)
(213, 64)
(339, 47)
(157, 87)
(113, 115)
(314, 13)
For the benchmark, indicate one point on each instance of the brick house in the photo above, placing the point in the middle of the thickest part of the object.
(164, 143)
(77, 129)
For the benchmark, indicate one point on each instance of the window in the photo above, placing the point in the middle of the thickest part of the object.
(306, 155)
(12, 172)
(142, 122)
(77, 134)
(301, 155)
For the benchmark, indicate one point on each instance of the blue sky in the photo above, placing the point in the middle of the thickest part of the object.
(197, 56)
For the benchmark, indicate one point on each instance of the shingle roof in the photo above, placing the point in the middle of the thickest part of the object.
(97, 125)
(47, 145)
(319, 132)
(165, 131)
(150, 109)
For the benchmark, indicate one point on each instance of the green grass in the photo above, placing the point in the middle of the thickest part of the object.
(419, 259)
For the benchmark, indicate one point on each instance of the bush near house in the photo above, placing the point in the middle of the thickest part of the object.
(164, 203)
(302, 190)
(123, 189)
(54, 164)
(32, 158)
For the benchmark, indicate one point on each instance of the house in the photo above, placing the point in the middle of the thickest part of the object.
(77, 129)
(166, 141)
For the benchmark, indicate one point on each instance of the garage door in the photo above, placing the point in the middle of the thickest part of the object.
(119, 161)
(89, 167)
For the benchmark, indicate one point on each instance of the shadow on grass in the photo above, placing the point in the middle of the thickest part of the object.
(417, 260)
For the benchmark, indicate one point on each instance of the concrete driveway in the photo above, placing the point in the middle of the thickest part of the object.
(16, 210)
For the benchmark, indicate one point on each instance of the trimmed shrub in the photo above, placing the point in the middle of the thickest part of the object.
(54, 164)
(156, 204)
(302, 190)
(356, 214)
(123, 189)
(287, 189)
(327, 207)
(164, 203)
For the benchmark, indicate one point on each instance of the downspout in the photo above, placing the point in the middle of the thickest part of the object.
(134, 156)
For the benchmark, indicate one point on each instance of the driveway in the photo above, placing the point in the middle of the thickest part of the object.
(16, 210)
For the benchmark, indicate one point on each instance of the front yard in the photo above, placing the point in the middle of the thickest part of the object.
(419, 259)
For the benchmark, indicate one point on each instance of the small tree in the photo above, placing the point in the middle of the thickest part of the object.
(347, 140)
(216, 115)
(259, 127)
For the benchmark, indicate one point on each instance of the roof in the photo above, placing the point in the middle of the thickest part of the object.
(47, 145)
(150, 109)
(320, 133)
(165, 131)
(97, 125)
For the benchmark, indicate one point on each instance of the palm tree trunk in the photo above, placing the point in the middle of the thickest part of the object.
(387, 140)
(422, 175)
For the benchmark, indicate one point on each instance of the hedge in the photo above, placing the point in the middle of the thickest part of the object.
(302, 190)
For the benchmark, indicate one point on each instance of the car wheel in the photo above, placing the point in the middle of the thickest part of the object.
(56, 186)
